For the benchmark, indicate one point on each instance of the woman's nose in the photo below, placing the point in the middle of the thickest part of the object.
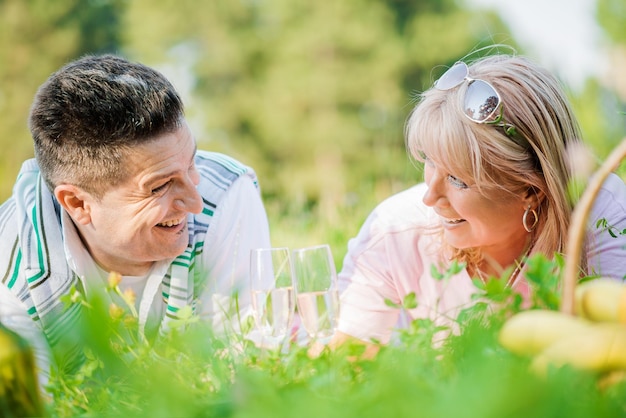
(434, 181)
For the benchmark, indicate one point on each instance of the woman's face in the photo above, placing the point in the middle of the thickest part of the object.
(470, 220)
(145, 218)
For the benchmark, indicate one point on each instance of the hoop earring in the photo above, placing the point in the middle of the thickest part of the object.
(525, 219)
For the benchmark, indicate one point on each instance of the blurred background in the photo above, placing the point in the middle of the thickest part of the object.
(312, 94)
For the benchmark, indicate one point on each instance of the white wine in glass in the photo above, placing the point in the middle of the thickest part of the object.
(315, 279)
(271, 288)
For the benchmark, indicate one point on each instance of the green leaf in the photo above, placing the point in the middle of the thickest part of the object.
(434, 272)
(453, 269)
(410, 301)
(391, 304)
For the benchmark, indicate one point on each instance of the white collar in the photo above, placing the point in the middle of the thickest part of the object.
(91, 275)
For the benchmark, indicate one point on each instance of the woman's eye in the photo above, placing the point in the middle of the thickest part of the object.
(456, 182)
(424, 158)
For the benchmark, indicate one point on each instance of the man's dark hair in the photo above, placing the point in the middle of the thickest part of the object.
(90, 113)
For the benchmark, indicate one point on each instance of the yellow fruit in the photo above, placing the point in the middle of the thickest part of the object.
(530, 332)
(611, 378)
(601, 348)
(602, 300)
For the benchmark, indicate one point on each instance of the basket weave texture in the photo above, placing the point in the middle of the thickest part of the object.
(578, 226)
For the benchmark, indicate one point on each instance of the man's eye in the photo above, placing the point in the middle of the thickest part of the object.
(456, 182)
(161, 187)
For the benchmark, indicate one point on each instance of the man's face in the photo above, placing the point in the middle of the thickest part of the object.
(145, 218)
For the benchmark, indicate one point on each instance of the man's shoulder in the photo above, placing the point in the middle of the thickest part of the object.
(8, 218)
(225, 165)
(23, 191)
(219, 171)
(9, 233)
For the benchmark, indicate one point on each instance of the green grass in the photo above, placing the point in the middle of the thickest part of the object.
(193, 373)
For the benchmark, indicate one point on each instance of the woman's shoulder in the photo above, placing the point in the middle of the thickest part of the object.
(405, 207)
(612, 196)
(615, 186)
(400, 228)
(401, 213)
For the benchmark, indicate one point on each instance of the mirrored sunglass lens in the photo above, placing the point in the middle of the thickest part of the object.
(481, 101)
(453, 77)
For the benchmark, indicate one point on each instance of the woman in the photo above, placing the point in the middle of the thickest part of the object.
(493, 138)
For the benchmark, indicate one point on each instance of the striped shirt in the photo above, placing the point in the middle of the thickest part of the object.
(43, 258)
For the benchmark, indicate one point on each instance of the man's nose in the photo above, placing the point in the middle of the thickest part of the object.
(190, 199)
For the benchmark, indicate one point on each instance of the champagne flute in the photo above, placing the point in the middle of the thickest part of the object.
(271, 286)
(317, 296)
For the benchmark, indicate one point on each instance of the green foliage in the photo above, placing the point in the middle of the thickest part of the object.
(314, 96)
(431, 370)
(612, 16)
(613, 231)
(602, 123)
(454, 268)
(19, 391)
(543, 275)
(36, 38)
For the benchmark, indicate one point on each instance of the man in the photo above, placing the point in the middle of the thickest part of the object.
(117, 185)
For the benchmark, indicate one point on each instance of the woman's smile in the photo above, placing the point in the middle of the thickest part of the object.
(451, 222)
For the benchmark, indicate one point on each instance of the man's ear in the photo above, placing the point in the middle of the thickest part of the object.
(75, 201)
(533, 198)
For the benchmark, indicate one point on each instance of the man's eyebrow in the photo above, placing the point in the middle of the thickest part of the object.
(172, 173)
(159, 177)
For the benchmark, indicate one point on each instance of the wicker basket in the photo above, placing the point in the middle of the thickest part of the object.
(578, 226)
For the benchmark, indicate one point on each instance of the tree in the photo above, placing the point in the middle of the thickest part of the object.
(36, 37)
(314, 95)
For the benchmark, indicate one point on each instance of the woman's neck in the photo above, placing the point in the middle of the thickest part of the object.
(494, 264)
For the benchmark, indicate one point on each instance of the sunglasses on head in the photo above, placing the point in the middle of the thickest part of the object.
(481, 103)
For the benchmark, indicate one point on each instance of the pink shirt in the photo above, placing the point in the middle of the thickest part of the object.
(393, 253)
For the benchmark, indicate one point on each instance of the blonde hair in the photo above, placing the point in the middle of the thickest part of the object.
(501, 165)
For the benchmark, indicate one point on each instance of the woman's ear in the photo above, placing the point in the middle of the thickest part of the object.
(533, 197)
(75, 201)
